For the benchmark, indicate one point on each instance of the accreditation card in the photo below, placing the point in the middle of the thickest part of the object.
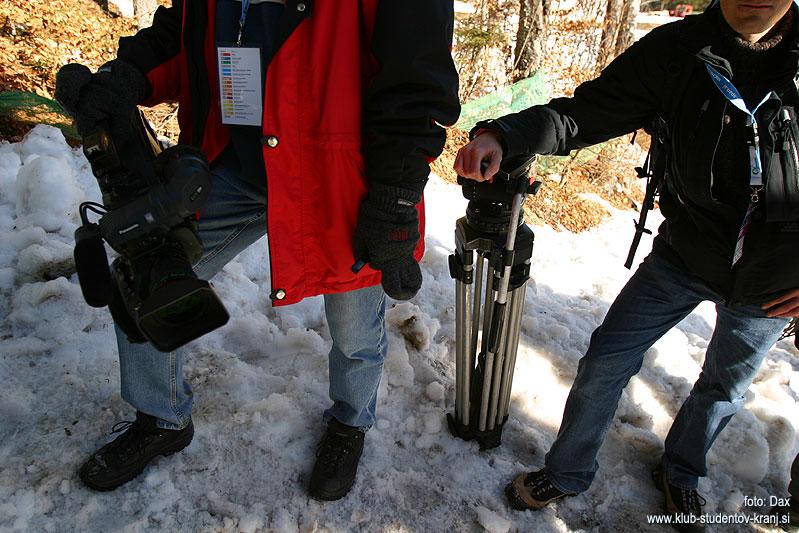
(240, 85)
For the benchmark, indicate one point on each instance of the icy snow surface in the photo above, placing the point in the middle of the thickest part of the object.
(261, 387)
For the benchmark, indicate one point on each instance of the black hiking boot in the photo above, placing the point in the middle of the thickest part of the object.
(125, 457)
(683, 505)
(532, 491)
(336, 462)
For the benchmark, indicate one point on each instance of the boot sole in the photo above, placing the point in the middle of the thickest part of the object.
(331, 496)
(129, 476)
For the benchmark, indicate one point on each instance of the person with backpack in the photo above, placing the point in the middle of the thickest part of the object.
(721, 86)
(326, 149)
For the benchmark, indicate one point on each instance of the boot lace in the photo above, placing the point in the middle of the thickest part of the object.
(540, 486)
(130, 442)
(691, 502)
(335, 451)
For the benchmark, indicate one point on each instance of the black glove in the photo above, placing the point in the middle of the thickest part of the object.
(386, 236)
(110, 95)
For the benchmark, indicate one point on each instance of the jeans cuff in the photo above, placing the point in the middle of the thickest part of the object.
(558, 485)
(163, 424)
(674, 479)
(328, 416)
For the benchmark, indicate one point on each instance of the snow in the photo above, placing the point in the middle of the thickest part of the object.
(261, 386)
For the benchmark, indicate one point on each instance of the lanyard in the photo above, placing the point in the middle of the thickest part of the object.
(245, 5)
(732, 94)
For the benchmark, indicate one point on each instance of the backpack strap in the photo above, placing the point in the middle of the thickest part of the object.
(653, 171)
(656, 163)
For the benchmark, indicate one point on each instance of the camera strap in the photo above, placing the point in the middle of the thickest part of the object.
(240, 79)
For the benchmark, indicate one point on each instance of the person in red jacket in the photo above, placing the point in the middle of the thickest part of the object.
(329, 159)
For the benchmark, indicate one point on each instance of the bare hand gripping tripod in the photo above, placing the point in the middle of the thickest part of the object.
(491, 266)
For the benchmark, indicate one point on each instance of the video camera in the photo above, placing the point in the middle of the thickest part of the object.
(150, 197)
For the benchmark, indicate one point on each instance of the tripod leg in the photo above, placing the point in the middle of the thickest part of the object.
(487, 352)
(478, 295)
(460, 342)
(497, 375)
(473, 322)
(490, 296)
(512, 347)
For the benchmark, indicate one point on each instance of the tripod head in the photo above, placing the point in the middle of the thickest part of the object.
(489, 209)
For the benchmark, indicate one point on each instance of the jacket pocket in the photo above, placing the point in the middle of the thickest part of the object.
(782, 187)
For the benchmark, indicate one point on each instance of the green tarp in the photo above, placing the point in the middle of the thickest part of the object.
(510, 99)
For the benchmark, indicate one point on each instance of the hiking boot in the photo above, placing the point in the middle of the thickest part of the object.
(125, 457)
(533, 490)
(684, 505)
(336, 461)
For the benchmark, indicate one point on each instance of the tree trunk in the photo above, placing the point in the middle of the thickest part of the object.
(627, 25)
(610, 32)
(531, 38)
(617, 31)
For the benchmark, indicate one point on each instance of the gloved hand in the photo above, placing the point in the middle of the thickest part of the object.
(386, 236)
(110, 95)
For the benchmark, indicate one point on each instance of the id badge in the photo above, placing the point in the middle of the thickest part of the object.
(240, 85)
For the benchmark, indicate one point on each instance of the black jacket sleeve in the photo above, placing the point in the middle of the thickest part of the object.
(152, 47)
(625, 97)
(414, 92)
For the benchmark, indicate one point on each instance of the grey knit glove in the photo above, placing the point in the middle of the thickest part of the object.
(386, 236)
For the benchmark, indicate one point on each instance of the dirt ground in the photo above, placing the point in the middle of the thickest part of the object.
(37, 37)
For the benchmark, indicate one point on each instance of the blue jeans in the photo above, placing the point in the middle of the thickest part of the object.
(657, 297)
(232, 219)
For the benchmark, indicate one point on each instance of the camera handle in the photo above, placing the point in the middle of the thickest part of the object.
(491, 266)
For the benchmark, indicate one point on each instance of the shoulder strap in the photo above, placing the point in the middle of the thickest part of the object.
(656, 163)
(653, 170)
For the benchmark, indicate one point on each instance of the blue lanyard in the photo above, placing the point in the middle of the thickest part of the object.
(245, 5)
(732, 94)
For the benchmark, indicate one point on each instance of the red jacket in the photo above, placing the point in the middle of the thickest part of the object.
(355, 93)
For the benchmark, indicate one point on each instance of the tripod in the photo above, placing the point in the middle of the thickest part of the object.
(491, 266)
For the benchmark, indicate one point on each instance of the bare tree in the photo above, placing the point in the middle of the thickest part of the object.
(610, 33)
(531, 38)
(626, 34)
(617, 30)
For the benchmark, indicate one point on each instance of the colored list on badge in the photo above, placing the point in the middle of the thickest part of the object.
(226, 74)
(240, 85)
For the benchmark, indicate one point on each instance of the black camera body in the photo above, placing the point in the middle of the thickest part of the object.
(151, 197)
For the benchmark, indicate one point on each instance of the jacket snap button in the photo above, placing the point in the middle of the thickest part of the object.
(301, 7)
(270, 141)
(279, 294)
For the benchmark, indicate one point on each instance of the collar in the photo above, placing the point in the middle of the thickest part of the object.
(701, 36)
